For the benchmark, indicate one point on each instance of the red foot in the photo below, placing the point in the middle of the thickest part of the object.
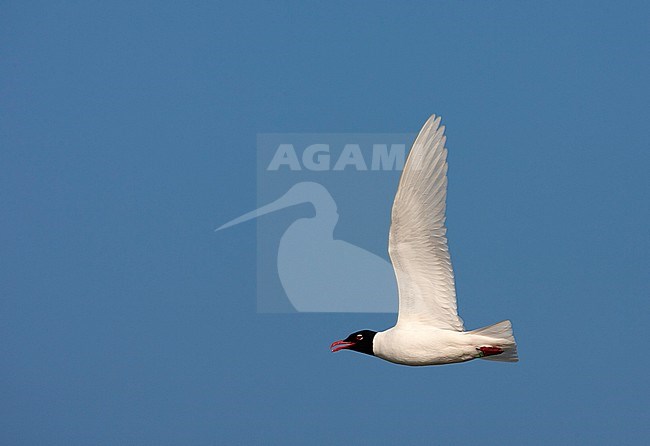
(489, 351)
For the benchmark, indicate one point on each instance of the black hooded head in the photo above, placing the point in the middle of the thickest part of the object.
(360, 341)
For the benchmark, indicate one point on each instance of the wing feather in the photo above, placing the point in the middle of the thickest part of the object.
(417, 243)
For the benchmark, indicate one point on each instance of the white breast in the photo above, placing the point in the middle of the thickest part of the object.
(423, 345)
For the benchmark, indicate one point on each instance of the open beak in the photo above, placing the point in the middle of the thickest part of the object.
(340, 345)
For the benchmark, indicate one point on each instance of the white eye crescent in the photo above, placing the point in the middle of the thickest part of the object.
(359, 337)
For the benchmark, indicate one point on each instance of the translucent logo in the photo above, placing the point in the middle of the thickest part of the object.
(322, 219)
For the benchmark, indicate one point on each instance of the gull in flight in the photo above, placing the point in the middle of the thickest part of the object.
(428, 329)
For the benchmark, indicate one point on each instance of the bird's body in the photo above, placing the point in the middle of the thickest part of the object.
(428, 345)
(428, 330)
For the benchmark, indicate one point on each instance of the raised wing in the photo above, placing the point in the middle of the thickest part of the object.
(417, 243)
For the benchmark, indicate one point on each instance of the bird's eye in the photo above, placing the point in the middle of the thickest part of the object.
(359, 337)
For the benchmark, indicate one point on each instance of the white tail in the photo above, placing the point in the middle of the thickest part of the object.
(501, 336)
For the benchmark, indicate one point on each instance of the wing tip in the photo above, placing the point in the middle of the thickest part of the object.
(434, 120)
(433, 126)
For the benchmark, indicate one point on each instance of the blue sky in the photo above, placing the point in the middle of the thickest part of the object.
(128, 133)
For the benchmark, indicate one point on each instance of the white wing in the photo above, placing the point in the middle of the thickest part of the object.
(417, 243)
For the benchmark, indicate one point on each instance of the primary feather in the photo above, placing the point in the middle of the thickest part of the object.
(417, 243)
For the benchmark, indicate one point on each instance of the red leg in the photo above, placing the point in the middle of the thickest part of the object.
(489, 351)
